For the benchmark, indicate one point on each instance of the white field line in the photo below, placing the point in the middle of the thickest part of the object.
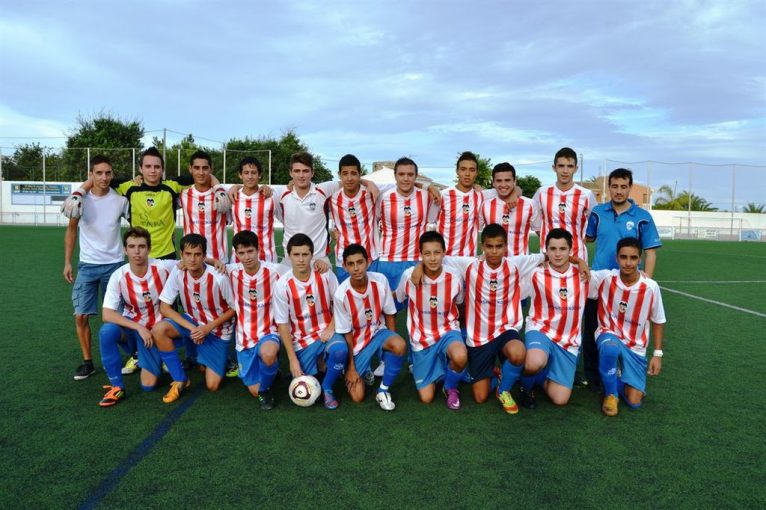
(712, 301)
(711, 281)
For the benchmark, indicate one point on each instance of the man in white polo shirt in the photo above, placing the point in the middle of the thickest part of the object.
(100, 252)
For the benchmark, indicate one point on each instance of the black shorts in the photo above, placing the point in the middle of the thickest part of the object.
(481, 360)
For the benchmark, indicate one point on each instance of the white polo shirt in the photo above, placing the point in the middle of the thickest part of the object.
(307, 215)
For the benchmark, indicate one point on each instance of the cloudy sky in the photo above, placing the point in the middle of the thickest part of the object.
(671, 81)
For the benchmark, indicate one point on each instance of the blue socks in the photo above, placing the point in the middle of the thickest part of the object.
(608, 352)
(511, 374)
(108, 337)
(393, 366)
(337, 355)
(452, 378)
(528, 382)
(173, 362)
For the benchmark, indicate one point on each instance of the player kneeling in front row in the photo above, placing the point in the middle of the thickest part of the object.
(208, 305)
(253, 285)
(304, 315)
(553, 332)
(136, 286)
(360, 303)
(438, 350)
(627, 302)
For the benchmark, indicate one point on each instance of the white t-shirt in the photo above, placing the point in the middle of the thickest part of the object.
(307, 215)
(100, 241)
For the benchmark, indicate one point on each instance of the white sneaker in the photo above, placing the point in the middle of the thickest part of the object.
(379, 371)
(384, 401)
(131, 366)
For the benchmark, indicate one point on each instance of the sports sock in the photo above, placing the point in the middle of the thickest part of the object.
(452, 378)
(510, 375)
(147, 388)
(608, 352)
(267, 373)
(528, 382)
(173, 362)
(337, 355)
(393, 366)
(108, 336)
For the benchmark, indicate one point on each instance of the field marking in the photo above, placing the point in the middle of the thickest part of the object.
(114, 478)
(712, 301)
(715, 253)
(711, 281)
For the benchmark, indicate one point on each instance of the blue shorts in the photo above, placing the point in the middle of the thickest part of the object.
(211, 352)
(250, 361)
(85, 290)
(363, 360)
(633, 366)
(393, 272)
(341, 274)
(308, 357)
(481, 360)
(430, 364)
(561, 364)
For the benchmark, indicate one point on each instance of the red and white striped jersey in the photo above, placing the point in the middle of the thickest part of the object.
(565, 209)
(626, 311)
(362, 314)
(307, 215)
(558, 301)
(253, 296)
(432, 307)
(517, 221)
(493, 297)
(140, 296)
(256, 214)
(200, 217)
(354, 219)
(305, 306)
(458, 221)
(204, 299)
(402, 221)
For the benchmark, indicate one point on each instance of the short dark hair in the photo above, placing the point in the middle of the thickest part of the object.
(494, 230)
(621, 173)
(467, 156)
(136, 232)
(630, 242)
(300, 240)
(200, 154)
(97, 160)
(350, 160)
(151, 151)
(245, 238)
(565, 152)
(432, 236)
(354, 249)
(559, 233)
(303, 158)
(405, 161)
(250, 160)
(193, 241)
(504, 167)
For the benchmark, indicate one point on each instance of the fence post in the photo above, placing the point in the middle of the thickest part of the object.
(733, 186)
(224, 164)
(689, 204)
(2, 218)
(88, 166)
(178, 162)
(269, 167)
(45, 194)
(649, 184)
(133, 161)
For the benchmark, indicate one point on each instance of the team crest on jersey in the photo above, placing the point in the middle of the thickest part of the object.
(506, 219)
(352, 210)
(562, 206)
(147, 296)
(493, 284)
(149, 202)
(196, 297)
(310, 299)
(201, 205)
(466, 209)
(629, 225)
(368, 314)
(563, 293)
(312, 206)
(248, 212)
(253, 294)
(623, 307)
(408, 210)
(433, 301)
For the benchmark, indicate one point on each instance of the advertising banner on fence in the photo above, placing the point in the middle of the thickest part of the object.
(37, 193)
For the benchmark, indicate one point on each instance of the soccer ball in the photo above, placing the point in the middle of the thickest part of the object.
(304, 390)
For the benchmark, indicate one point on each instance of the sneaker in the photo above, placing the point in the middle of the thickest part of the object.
(527, 399)
(379, 371)
(130, 366)
(453, 399)
(330, 402)
(384, 400)
(233, 371)
(509, 405)
(174, 393)
(580, 381)
(113, 395)
(84, 371)
(267, 400)
(609, 406)
(165, 369)
(369, 379)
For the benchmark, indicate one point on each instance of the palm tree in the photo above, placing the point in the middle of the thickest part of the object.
(752, 207)
(668, 200)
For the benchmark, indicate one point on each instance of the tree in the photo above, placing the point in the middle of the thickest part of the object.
(484, 176)
(529, 184)
(684, 201)
(26, 163)
(103, 134)
(752, 207)
(281, 150)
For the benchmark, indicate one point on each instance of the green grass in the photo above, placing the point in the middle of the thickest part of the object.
(698, 441)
